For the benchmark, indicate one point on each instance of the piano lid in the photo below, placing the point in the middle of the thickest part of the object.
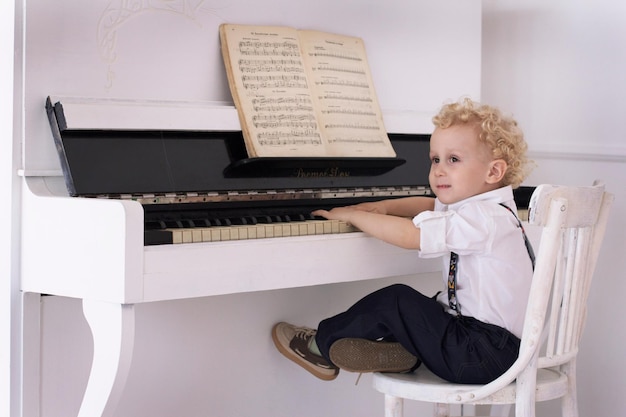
(152, 157)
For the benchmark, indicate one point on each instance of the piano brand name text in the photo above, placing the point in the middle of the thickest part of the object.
(316, 173)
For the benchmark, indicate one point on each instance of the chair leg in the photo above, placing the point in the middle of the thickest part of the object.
(525, 392)
(394, 406)
(502, 410)
(569, 402)
(442, 410)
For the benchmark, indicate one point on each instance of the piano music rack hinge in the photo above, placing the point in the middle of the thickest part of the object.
(276, 195)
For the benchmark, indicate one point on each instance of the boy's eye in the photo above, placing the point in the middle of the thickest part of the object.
(451, 159)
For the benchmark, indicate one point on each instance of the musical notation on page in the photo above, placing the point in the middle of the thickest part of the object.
(303, 93)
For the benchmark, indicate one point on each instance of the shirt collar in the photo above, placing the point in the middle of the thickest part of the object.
(499, 195)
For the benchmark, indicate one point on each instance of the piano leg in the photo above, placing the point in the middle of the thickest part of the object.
(113, 330)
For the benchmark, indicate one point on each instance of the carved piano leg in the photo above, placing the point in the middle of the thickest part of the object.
(113, 330)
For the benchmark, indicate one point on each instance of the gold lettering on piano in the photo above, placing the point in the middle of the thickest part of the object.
(329, 172)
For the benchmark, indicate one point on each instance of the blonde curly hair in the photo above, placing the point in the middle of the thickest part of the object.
(499, 132)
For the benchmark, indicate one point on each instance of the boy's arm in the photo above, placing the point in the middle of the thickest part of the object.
(399, 231)
(402, 207)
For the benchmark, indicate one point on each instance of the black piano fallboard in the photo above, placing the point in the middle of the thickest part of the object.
(113, 162)
(108, 162)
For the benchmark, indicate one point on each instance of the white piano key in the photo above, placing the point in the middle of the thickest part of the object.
(177, 236)
(224, 233)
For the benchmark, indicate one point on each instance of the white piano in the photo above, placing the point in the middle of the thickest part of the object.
(93, 248)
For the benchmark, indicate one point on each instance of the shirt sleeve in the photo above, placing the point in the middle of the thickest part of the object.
(466, 231)
(432, 226)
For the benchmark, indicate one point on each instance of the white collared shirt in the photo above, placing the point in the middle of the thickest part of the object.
(494, 268)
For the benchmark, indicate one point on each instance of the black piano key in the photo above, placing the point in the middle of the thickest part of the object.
(155, 225)
(157, 237)
(269, 219)
(243, 220)
(174, 224)
(202, 223)
(297, 217)
(214, 222)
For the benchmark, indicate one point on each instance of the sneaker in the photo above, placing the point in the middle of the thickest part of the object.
(293, 342)
(362, 355)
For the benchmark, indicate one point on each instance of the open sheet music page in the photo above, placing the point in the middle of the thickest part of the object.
(303, 93)
(343, 94)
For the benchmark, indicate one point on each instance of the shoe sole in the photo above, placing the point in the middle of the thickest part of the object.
(297, 359)
(361, 355)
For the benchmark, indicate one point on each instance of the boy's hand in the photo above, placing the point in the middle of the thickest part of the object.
(372, 207)
(338, 213)
(344, 213)
(396, 230)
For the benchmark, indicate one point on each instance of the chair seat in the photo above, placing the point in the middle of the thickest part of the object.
(423, 385)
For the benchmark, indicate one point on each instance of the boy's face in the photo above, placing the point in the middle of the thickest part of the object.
(461, 166)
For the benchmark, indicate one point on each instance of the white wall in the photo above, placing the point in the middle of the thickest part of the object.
(560, 68)
(9, 206)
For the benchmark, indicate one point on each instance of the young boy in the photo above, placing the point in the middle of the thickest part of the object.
(469, 332)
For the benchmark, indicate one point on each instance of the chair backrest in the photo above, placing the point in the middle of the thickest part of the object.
(580, 237)
(574, 221)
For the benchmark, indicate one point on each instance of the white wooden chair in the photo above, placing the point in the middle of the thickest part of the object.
(574, 221)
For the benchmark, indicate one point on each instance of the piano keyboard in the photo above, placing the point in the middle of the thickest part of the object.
(182, 234)
(259, 231)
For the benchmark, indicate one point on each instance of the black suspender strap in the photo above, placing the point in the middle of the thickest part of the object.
(454, 259)
(529, 247)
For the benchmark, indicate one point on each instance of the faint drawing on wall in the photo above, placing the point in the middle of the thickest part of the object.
(119, 12)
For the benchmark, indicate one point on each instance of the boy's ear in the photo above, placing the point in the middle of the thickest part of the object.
(497, 169)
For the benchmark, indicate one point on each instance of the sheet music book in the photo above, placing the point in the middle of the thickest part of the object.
(302, 93)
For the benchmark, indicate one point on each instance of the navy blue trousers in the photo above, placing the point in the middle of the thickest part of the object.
(458, 349)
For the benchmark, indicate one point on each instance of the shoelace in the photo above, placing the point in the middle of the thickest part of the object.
(304, 332)
(358, 378)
